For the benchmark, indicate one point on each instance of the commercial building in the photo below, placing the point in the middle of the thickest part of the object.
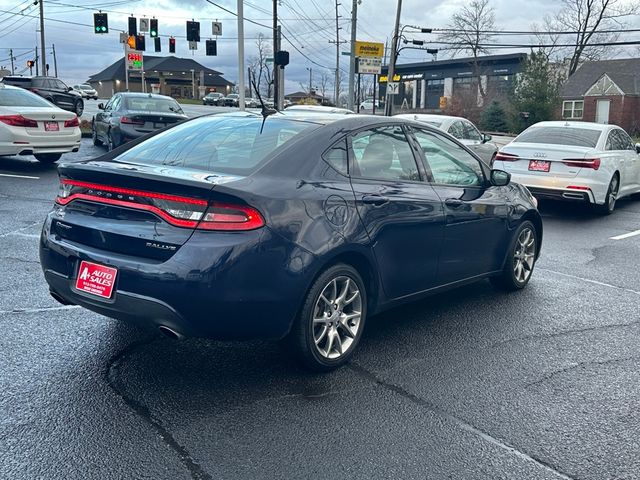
(172, 76)
(431, 86)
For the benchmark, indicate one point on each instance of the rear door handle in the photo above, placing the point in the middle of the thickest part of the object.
(453, 202)
(376, 200)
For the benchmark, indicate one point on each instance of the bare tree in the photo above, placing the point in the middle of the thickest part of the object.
(259, 69)
(590, 22)
(324, 82)
(469, 32)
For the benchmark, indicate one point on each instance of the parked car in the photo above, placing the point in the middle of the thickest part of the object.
(86, 91)
(212, 98)
(128, 116)
(51, 89)
(574, 161)
(251, 102)
(231, 100)
(367, 105)
(300, 237)
(463, 130)
(318, 109)
(29, 125)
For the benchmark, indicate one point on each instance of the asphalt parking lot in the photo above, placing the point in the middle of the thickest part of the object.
(472, 384)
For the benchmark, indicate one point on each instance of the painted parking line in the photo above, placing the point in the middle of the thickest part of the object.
(626, 235)
(18, 176)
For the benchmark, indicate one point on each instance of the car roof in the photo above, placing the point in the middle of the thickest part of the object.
(140, 94)
(429, 116)
(585, 125)
(319, 108)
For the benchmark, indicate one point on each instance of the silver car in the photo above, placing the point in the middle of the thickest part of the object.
(461, 129)
(86, 91)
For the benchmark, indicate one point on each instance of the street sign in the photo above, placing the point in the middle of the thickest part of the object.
(193, 45)
(216, 28)
(134, 60)
(348, 54)
(371, 66)
(369, 49)
(268, 60)
(393, 88)
(144, 25)
(124, 37)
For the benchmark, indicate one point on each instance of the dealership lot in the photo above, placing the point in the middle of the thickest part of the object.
(470, 384)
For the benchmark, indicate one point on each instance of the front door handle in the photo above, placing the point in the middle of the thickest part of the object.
(376, 200)
(453, 202)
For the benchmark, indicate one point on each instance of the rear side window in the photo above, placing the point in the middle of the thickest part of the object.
(232, 145)
(21, 98)
(571, 136)
(336, 156)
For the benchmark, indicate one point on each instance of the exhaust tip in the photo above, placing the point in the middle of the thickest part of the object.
(60, 299)
(169, 332)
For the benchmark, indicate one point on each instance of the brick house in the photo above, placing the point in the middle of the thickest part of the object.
(606, 91)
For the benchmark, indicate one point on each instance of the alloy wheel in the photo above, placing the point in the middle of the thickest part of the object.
(524, 255)
(613, 193)
(337, 317)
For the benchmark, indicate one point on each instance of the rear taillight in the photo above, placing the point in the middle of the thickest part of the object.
(72, 123)
(174, 209)
(18, 121)
(131, 121)
(506, 157)
(582, 162)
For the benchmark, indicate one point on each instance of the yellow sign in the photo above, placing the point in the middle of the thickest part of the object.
(384, 78)
(443, 103)
(369, 49)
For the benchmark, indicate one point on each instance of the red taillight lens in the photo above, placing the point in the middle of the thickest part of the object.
(72, 123)
(506, 157)
(131, 121)
(582, 162)
(222, 216)
(18, 121)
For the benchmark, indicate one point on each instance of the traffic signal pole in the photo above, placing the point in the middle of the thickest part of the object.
(240, 55)
(388, 107)
(42, 53)
(352, 58)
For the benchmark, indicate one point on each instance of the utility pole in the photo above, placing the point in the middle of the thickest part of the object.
(240, 55)
(276, 47)
(352, 58)
(337, 42)
(55, 62)
(13, 70)
(44, 60)
(37, 60)
(388, 107)
(310, 74)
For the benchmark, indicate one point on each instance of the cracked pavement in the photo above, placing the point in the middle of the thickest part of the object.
(473, 384)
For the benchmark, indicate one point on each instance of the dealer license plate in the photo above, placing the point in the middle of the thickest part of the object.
(51, 126)
(96, 279)
(539, 165)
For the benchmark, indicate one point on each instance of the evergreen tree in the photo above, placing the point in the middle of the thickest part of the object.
(494, 118)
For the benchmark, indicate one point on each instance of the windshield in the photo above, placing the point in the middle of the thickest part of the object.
(84, 87)
(165, 105)
(571, 136)
(21, 98)
(232, 145)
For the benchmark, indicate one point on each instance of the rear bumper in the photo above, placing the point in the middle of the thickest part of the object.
(32, 148)
(565, 194)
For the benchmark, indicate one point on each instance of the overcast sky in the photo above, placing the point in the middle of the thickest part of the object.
(81, 53)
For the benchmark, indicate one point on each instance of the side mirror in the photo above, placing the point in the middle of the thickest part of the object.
(69, 89)
(486, 137)
(638, 148)
(500, 178)
(101, 106)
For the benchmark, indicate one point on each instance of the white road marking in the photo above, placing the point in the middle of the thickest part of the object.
(626, 235)
(18, 176)
(588, 280)
(39, 310)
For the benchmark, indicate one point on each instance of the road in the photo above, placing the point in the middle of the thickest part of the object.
(473, 384)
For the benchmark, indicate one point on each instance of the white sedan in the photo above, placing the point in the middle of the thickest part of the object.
(579, 161)
(462, 130)
(30, 125)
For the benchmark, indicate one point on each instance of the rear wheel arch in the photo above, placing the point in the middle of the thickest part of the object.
(535, 218)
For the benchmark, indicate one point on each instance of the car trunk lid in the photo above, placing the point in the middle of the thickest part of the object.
(564, 161)
(144, 121)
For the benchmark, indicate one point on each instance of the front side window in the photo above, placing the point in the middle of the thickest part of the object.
(384, 153)
(449, 163)
(572, 109)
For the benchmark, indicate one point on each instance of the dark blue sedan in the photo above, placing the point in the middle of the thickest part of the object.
(290, 227)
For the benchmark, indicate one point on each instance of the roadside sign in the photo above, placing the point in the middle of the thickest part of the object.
(124, 36)
(443, 103)
(268, 60)
(216, 28)
(369, 49)
(348, 54)
(393, 88)
(144, 25)
(371, 66)
(193, 45)
(134, 60)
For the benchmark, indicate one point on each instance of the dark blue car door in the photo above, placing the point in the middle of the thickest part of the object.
(401, 212)
(476, 233)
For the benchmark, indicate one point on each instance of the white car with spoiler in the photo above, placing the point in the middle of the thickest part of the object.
(30, 125)
(576, 161)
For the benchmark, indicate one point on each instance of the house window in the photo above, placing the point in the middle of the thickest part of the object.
(572, 109)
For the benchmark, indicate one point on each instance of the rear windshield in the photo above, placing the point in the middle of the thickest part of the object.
(164, 105)
(21, 98)
(572, 136)
(231, 145)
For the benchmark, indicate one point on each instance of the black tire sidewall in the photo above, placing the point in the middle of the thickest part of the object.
(509, 274)
(79, 104)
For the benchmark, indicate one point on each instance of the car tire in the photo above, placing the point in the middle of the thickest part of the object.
(110, 142)
(48, 157)
(612, 195)
(521, 259)
(94, 136)
(78, 108)
(329, 325)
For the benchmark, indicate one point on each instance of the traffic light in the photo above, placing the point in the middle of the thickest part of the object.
(153, 31)
(172, 45)
(157, 44)
(133, 26)
(140, 42)
(193, 31)
(131, 42)
(282, 58)
(30, 63)
(212, 47)
(100, 23)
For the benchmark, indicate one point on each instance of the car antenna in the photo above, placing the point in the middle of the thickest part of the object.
(265, 110)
